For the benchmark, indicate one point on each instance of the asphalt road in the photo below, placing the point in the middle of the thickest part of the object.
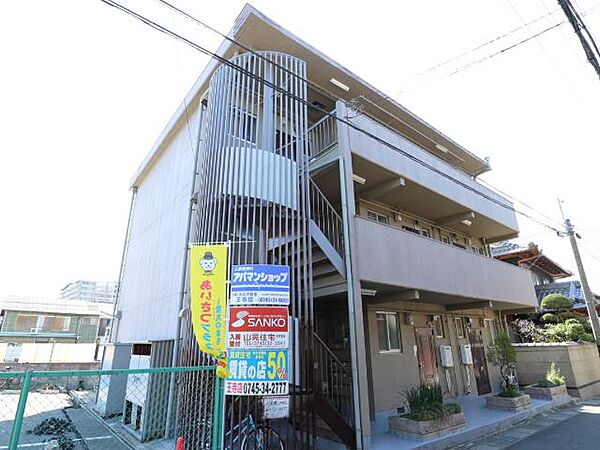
(581, 431)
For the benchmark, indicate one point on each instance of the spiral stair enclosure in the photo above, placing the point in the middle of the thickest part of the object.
(253, 192)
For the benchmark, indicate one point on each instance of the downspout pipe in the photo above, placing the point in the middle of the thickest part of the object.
(114, 320)
(182, 309)
(351, 308)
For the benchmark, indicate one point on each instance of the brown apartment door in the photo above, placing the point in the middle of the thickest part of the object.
(479, 363)
(426, 355)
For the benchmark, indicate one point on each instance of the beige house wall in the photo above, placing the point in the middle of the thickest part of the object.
(392, 372)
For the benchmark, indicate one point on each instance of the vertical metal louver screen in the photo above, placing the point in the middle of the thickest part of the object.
(253, 188)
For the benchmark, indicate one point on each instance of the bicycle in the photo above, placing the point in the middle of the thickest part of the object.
(250, 434)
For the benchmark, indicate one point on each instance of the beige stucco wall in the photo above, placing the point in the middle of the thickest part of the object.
(579, 363)
(392, 372)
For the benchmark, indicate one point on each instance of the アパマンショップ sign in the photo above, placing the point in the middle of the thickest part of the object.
(258, 327)
(256, 284)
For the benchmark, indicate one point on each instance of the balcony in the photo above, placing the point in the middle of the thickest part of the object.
(390, 259)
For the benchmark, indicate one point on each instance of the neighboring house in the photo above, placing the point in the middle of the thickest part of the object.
(543, 269)
(39, 320)
(571, 289)
(391, 271)
(90, 291)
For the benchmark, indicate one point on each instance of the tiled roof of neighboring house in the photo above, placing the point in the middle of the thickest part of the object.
(529, 257)
(56, 306)
(571, 289)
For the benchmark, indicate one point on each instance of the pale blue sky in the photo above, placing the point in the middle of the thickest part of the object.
(85, 91)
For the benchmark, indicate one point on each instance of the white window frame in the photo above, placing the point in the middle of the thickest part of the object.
(386, 314)
(438, 319)
(378, 216)
(459, 325)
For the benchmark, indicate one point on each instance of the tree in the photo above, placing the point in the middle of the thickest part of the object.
(503, 355)
(556, 302)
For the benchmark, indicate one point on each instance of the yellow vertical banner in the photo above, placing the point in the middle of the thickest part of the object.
(208, 298)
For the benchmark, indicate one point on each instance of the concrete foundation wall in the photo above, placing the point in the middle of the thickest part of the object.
(49, 353)
(579, 363)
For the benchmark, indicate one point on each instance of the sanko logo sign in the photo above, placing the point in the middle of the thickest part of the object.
(258, 319)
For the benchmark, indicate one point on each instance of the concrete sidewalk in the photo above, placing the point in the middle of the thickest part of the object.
(579, 429)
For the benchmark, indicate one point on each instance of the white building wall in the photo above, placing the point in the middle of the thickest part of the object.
(152, 272)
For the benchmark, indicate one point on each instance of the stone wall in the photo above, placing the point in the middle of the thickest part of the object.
(579, 363)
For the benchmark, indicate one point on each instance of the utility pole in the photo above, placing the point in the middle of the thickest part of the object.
(587, 41)
(587, 292)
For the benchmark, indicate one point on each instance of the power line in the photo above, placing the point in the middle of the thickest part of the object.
(479, 47)
(310, 83)
(346, 122)
(499, 52)
(547, 54)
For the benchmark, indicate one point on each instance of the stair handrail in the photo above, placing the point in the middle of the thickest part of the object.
(327, 218)
(330, 352)
(322, 135)
(334, 380)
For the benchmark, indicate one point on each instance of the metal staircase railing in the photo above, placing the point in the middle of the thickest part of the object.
(334, 380)
(326, 218)
(322, 135)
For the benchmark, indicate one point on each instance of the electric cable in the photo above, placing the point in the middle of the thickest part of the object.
(265, 82)
(314, 86)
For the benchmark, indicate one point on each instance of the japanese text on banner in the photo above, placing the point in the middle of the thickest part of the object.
(208, 297)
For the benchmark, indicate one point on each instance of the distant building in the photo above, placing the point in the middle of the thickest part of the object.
(90, 291)
(30, 319)
(45, 332)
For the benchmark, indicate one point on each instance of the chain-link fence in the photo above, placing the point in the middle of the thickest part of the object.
(107, 409)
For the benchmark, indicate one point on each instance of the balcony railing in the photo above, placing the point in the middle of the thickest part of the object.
(322, 135)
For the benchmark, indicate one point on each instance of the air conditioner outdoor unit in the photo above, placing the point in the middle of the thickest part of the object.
(36, 330)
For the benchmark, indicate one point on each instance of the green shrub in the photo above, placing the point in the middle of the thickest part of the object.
(573, 321)
(549, 318)
(564, 316)
(556, 301)
(426, 403)
(553, 377)
(573, 331)
(510, 391)
(503, 355)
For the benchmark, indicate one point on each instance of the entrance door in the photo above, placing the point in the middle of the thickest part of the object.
(426, 355)
(479, 363)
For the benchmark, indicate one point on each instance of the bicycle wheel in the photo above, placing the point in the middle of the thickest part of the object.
(262, 438)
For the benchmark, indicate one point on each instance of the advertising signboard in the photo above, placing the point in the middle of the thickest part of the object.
(258, 327)
(260, 285)
(208, 300)
(276, 407)
(257, 372)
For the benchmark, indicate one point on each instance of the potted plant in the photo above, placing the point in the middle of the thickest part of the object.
(503, 355)
(428, 416)
(551, 387)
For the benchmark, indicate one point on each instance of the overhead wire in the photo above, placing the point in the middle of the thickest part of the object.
(473, 50)
(301, 100)
(547, 54)
(253, 51)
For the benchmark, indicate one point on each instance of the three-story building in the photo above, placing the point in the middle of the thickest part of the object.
(379, 215)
